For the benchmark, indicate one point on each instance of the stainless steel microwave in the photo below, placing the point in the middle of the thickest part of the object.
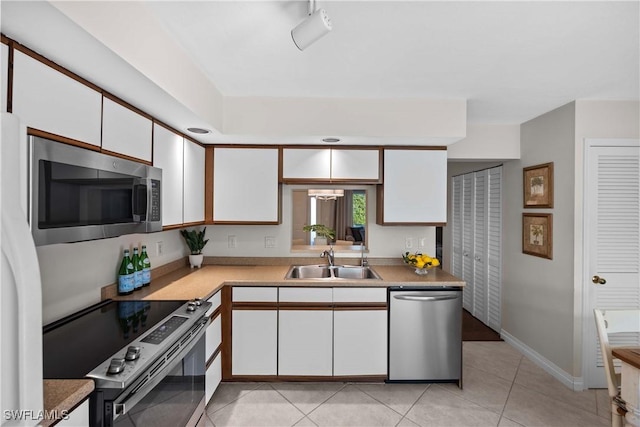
(79, 194)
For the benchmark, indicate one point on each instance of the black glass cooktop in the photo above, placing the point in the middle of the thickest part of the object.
(75, 345)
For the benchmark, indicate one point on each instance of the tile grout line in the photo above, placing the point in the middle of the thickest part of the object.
(234, 400)
(513, 382)
(387, 406)
(414, 404)
(292, 404)
(310, 412)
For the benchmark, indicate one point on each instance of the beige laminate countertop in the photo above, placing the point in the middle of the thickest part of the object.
(61, 396)
(184, 283)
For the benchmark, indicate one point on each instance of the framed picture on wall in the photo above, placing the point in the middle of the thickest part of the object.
(537, 234)
(538, 186)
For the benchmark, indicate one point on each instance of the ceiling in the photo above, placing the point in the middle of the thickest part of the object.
(508, 61)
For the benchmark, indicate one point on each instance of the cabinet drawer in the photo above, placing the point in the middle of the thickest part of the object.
(376, 295)
(215, 303)
(213, 337)
(255, 294)
(306, 295)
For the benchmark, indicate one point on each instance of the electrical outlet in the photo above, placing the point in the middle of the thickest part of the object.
(423, 242)
(232, 242)
(269, 242)
(159, 248)
(408, 243)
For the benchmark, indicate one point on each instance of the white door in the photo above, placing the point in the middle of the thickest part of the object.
(467, 242)
(456, 223)
(494, 249)
(480, 246)
(612, 240)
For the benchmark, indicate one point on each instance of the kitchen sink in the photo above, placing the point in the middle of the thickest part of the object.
(337, 272)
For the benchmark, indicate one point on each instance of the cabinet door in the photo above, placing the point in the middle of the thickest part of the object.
(48, 100)
(213, 378)
(125, 132)
(193, 208)
(479, 261)
(360, 342)
(306, 163)
(168, 155)
(213, 337)
(4, 76)
(305, 342)
(355, 164)
(245, 185)
(415, 187)
(254, 342)
(78, 417)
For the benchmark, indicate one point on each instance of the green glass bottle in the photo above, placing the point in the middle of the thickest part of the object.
(146, 267)
(126, 282)
(137, 273)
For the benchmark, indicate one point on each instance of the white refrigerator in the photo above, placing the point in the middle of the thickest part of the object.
(21, 294)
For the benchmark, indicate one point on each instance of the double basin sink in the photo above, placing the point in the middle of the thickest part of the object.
(351, 272)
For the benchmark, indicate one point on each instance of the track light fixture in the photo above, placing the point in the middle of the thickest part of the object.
(311, 29)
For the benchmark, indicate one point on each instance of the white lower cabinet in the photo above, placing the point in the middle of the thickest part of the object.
(305, 342)
(78, 417)
(254, 342)
(359, 342)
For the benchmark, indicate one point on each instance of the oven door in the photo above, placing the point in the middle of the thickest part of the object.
(170, 394)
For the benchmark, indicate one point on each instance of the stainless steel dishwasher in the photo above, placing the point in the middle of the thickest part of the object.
(425, 334)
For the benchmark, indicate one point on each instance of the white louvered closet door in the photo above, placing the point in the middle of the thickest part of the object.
(467, 241)
(456, 224)
(480, 222)
(494, 249)
(612, 224)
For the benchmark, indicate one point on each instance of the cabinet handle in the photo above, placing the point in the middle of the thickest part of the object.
(598, 280)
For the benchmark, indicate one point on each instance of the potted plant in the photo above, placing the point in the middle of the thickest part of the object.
(196, 242)
(324, 234)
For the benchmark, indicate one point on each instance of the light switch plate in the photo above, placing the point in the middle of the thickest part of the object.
(408, 243)
(270, 242)
(232, 242)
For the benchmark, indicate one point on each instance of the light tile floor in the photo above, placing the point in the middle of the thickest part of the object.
(501, 388)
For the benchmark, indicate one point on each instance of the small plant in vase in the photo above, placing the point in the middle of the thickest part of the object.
(196, 242)
(324, 234)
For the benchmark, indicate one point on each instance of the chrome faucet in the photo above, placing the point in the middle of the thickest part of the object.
(330, 256)
(363, 260)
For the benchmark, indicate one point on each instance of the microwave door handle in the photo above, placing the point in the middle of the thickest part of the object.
(137, 198)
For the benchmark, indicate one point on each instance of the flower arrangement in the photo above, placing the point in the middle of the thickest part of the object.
(421, 262)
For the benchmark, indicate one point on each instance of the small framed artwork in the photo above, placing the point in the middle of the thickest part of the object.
(538, 186)
(537, 234)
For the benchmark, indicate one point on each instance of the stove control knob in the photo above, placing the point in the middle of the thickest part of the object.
(198, 301)
(191, 307)
(133, 353)
(116, 366)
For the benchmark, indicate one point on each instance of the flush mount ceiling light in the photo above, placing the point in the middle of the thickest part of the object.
(330, 140)
(325, 194)
(311, 29)
(199, 131)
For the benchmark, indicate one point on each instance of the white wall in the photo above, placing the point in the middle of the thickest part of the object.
(487, 142)
(383, 241)
(73, 273)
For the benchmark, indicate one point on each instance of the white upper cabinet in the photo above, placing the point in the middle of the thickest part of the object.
(308, 163)
(194, 158)
(355, 164)
(245, 185)
(126, 132)
(168, 150)
(4, 76)
(415, 187)
(182, 164)
(50, 101)
(330, 164)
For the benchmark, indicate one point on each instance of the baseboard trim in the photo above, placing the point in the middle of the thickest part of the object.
(574, 383)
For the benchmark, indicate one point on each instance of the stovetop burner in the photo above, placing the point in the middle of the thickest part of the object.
(73, 346)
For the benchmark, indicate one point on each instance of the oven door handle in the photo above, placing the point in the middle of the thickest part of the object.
(131, 396)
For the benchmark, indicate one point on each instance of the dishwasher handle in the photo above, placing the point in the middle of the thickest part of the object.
(425, 298)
